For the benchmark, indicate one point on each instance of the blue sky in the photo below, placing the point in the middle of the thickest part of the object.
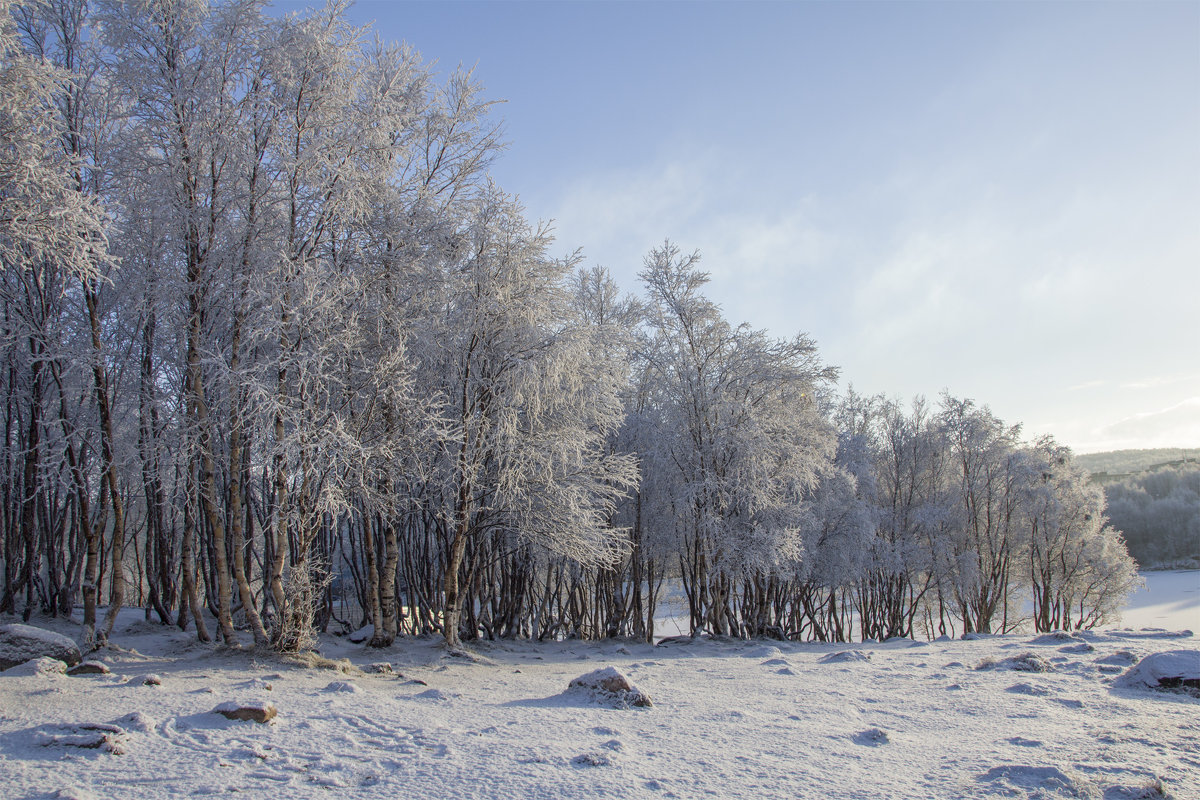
(1001, 199)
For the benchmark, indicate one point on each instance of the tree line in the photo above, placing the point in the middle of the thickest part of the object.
(278, 354)
(1159, 513)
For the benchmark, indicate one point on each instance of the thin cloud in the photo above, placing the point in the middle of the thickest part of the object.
(1174, 426)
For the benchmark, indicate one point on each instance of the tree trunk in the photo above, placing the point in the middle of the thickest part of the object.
(189, 601)
(373, 606)
(387, 586)
(453, 610)
(109, 474)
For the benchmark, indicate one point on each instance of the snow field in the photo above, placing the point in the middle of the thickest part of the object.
(730, 719)
(1170, 599)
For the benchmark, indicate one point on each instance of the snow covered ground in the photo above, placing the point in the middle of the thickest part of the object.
(1168, 600)
(730, 719)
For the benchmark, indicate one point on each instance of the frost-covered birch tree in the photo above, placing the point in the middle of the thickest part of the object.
(1079, 570)
(744, 435)
(527, 417)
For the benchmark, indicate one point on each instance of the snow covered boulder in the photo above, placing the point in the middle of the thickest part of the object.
(38, 666)
(341, 687)
(92, 736)
(1174, 670)
(1056, 637)
(1019, 780)
(845, 657)
(256, 712)
(362, 634)
(1026, 662)
(609, 686)
(21, 643)
(592, 760)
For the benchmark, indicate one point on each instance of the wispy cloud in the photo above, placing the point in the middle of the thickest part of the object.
(1158, 381)
(1175, 426)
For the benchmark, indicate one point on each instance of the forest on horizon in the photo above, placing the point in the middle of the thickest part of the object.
(1117, 464)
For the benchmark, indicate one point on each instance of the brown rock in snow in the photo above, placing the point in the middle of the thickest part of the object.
(609, 684)
(89, 668)
(255, 712)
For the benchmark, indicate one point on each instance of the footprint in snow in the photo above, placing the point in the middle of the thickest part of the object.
(249, 752)
(136, 721)
(871, 737)
(1037, 781)
(592, 760)
(1021, 741)
(1027, 689)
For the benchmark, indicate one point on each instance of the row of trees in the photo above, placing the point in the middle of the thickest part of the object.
(277, 352)
(1159, 513)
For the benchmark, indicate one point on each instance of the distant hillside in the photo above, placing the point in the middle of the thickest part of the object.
(1114, 465)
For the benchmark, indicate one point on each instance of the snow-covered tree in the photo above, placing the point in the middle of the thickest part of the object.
(1079, 570)
(986, 542)
(743, 433)
(527, 414)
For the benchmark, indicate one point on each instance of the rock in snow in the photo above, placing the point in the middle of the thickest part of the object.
(1174, 670)
(89, 668)
(592, 760)
(362, 634)
(1037, 781)
(109, 738)
(39, 666)
(1056, 637)
(610, 686)
(845, 657)
(256, 712)
(1026, 662)
(21, 643)
(344, 687)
